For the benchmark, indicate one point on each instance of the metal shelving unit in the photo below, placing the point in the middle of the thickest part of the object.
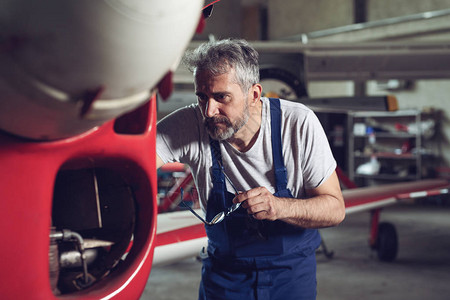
(384, 144)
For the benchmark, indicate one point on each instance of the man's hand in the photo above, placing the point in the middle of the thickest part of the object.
(261, 204)
(323, 206)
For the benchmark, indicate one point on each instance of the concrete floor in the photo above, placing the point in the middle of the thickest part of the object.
(421, 270)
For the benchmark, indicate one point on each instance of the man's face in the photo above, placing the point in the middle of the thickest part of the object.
(223, 104)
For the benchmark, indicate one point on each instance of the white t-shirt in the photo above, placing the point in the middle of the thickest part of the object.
(182, 137)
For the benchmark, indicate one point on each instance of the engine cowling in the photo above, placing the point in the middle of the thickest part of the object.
(69, 66)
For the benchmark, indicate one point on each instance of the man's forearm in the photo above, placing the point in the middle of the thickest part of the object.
(316, 212)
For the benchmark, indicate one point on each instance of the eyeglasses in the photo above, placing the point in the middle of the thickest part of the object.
(220, 216)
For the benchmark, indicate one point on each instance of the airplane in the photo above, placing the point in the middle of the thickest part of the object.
(181, 235)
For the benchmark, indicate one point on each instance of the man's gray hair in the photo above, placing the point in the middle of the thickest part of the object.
(217, 57)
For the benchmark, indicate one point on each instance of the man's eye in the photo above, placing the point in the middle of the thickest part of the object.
(201, 99)
(221, 97)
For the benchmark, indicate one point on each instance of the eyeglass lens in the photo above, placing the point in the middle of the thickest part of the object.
(220, 216)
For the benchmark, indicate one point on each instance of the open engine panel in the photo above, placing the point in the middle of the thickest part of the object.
(93, 220)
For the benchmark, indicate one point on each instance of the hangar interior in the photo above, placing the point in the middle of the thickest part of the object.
(84, 199)
(377, 73)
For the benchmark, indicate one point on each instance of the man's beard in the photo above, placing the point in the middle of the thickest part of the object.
(214, 125)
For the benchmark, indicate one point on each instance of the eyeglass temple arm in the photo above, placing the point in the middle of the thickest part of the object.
(228, 178)
(188, 207)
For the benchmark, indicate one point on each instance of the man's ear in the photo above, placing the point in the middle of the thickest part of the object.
(255, 93)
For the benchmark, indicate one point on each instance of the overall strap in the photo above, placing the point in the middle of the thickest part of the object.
(217, 174)
(277, 146)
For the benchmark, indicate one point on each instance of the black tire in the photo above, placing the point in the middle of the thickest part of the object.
(387, 242)
(287, 78)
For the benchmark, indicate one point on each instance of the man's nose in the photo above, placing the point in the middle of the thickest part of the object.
(211, 108)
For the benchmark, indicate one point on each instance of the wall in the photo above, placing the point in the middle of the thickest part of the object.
(383, 9)
(224, 22)
(287, 18)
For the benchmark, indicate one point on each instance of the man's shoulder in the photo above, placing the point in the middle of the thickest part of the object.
(184, 122)
(188, 109)
(294, 106)
(187, 113)
(288, 104)
(291, 110)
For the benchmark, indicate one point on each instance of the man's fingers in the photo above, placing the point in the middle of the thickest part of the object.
(262, 215)
(258, 202)
(250, 195)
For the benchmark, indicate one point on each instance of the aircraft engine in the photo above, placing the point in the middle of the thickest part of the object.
(69, 66)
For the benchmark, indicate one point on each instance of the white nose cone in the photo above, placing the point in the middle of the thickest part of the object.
(68, 66)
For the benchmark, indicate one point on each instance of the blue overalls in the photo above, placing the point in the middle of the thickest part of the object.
(253, 259)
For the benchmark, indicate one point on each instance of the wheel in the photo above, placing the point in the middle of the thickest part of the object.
(281, 83)
(387, 242)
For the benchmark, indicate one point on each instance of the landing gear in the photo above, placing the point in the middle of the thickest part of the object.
(383, 238)
(387, 243)
(323, 249)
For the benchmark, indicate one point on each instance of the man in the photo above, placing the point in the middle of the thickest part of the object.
(277, 156)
